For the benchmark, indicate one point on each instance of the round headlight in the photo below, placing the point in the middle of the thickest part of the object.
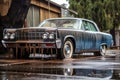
(51, 36)
(45, 36)
(5, 36)
(12, 36)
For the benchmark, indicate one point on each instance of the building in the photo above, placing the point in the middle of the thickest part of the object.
(44, 9)
(38, 11)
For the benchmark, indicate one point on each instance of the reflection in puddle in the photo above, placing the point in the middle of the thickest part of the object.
(92, 69)
(59, 71)
(65, 73)
(93, 73)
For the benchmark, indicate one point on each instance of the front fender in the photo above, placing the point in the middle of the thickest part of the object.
(69, 36)
(72, 38)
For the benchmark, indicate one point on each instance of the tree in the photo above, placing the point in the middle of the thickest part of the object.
(15, 17)
(106, 13)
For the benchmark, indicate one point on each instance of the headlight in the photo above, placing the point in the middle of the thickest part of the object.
(45, 36)
(6, 36)
(51, 36)
(12, 36)
(9, 36)
(48, 36)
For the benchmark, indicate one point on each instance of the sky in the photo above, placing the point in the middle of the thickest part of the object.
(60, 1)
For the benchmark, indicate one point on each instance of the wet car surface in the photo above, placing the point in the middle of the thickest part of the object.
(77, 68)
(61, 36)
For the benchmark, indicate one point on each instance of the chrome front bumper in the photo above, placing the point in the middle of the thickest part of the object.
(31, 43)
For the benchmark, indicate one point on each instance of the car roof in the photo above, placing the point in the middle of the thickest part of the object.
(71, 18)
(76, 19)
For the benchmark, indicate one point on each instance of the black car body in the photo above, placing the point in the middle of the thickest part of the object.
(63, 36)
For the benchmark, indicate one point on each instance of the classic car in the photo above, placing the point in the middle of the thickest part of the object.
(61, 36)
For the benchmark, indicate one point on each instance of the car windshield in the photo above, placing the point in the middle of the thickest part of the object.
(60, 23)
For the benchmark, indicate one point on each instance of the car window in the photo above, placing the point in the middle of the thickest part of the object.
(48, 24)
(88, 26)
(61, 23)
(70, 24)
(92, 27)
(85, 26)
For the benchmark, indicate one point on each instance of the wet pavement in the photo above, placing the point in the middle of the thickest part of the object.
(80, 67)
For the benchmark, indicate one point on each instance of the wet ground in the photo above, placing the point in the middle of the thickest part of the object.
(80, 67)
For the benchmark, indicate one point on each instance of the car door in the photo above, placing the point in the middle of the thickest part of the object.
(90, 35)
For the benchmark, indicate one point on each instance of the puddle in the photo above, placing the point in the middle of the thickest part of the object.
(98, 68)
(53, 71)
(61, 74)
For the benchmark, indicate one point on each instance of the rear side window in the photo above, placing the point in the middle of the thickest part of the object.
(88, 26)
(85, 26)
(92, 27)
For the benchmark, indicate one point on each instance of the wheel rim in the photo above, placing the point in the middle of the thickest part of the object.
(68, 49)
(103, 50)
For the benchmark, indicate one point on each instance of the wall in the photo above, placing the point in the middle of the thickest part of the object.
(41, 10)
(46, 10)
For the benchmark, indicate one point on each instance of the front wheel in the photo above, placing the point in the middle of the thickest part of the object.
(67, 50)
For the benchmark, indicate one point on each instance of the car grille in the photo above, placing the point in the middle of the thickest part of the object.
(29, 34)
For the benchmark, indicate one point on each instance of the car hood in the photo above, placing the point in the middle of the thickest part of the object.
(39, 28)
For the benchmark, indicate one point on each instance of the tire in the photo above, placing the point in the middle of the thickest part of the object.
(103, 49)
(67, 50)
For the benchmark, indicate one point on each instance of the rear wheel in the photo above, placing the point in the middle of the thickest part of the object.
(67, 50)
(103, 49)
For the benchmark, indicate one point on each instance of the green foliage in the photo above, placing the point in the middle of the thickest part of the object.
(106, 13)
